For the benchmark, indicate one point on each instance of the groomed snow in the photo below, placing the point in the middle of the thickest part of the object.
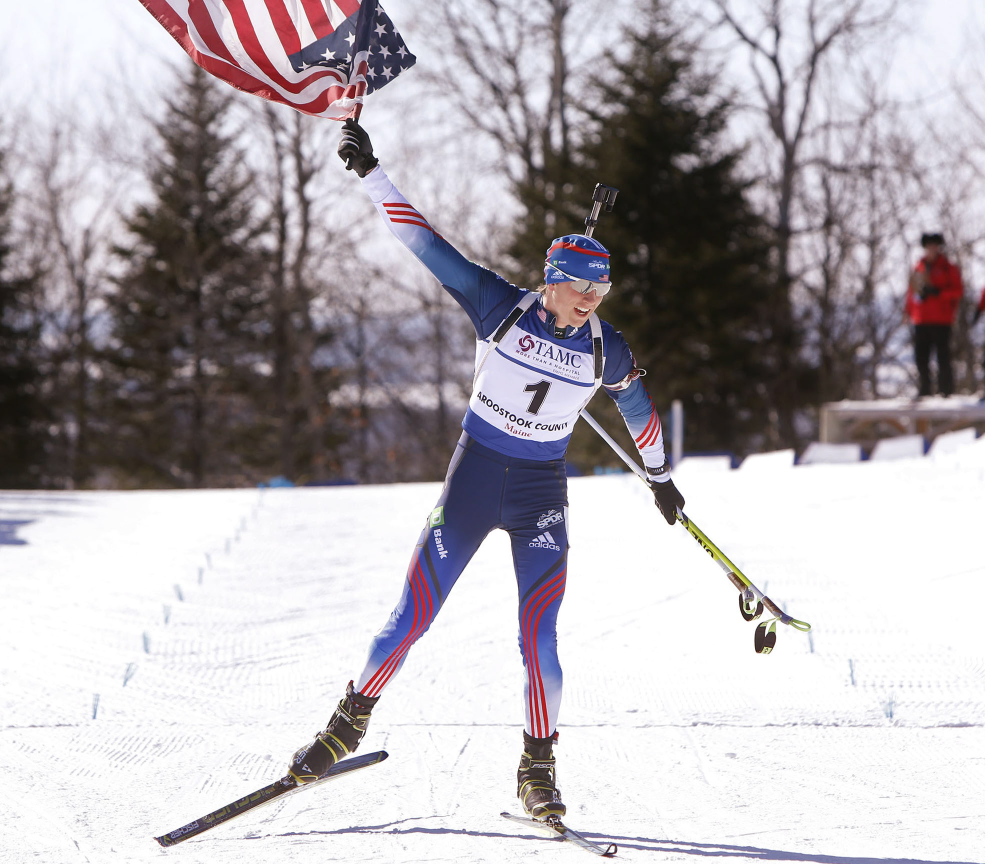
(163, 653)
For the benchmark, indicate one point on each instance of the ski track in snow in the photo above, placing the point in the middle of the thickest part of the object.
(164, 653)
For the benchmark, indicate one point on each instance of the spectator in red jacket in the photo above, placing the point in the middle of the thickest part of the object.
(931, 303)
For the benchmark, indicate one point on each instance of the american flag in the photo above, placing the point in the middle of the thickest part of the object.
(319, 56)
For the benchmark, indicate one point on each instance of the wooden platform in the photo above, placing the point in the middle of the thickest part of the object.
(866, 423)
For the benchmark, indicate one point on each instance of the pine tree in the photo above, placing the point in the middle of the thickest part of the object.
(23, 413)
(303, 436)
(189, 319)
(689, 256)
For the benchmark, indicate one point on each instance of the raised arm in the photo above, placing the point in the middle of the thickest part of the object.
(485, 296)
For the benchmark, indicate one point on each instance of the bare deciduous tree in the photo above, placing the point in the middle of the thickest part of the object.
(806, 64)
(74, 194)
(515, 74)
(298, 151)
(855, 177)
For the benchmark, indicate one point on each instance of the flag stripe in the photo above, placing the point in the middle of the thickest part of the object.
(348, 7)
(309, 54)
(319, 21)
(207, 31)
(254, 49)
(284, 26)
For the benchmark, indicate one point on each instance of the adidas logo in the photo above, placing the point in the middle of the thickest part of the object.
(544, 541)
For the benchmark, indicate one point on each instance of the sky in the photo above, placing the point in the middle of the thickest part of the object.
(82, 46)
(164, 653)
(86, 50)
(119, 36)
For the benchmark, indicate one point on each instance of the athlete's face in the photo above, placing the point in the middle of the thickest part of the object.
(571, 308)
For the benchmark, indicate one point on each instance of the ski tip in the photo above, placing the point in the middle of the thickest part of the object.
(367, 758)
(372, 758)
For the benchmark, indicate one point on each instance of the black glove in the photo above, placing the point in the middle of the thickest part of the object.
(929, 291)
(668, 499)
(356, 148)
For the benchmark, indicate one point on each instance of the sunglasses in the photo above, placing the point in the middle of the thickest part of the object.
(584, 286)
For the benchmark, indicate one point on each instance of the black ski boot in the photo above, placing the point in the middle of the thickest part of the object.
(342, 735)
(536, 779)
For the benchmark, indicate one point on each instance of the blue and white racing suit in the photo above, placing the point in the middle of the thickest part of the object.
(509, 469)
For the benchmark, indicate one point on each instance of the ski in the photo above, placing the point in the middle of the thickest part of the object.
(262, 796)
(561, 831)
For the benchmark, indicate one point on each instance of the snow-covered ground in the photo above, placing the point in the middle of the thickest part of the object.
(163, 653)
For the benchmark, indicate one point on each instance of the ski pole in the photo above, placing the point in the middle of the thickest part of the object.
(753, 601)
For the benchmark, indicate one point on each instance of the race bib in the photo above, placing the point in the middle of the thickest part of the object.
(532, 387)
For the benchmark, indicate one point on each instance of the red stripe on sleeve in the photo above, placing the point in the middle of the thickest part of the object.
(422, 223)
(650, 433)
